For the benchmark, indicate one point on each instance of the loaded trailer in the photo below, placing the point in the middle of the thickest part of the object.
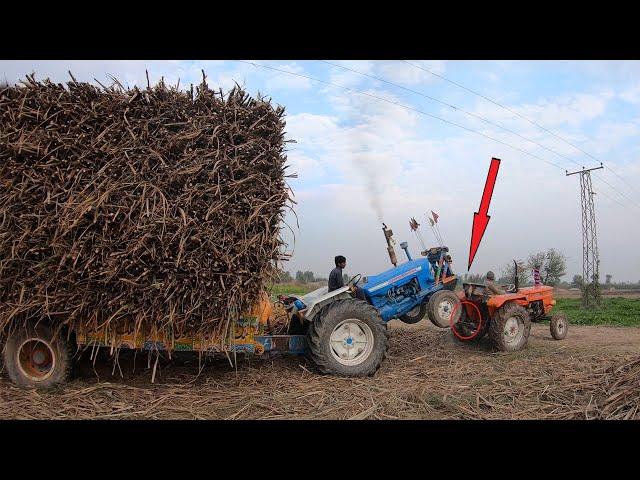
(343, 332)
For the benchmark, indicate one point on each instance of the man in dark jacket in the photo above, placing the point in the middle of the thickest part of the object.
(336, 280)
(491, 284)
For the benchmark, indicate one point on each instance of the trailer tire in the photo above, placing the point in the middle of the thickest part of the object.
(34, 359)
(415, 315)
(510, 327)
(440, 306)
(348, 338)
(559, 325)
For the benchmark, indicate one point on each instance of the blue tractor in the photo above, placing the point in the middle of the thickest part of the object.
(346, 329)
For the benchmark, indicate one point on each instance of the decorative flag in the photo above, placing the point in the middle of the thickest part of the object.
(430, 221)
(413, 224)
(536, 277)
(435, 216)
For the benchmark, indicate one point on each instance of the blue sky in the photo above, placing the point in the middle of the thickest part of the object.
(360, 160)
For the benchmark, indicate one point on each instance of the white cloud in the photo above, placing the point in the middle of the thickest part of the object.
(631, 95)
(406, 74)
(284, 81)
(347, 78)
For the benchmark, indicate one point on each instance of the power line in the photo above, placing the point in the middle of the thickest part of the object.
(360, 92)
(454, 107)
(521, 116)
(409, 108)
(633, 202)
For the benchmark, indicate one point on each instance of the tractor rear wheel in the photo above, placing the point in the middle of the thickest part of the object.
(34, 359)
(415, 315)
(559, 326)
(510, 327)
(348, 338)
(441, 306)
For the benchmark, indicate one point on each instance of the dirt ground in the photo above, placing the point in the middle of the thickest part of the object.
(427, 375)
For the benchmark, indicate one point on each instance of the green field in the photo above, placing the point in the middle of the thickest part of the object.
(291, 289)
(618, 311)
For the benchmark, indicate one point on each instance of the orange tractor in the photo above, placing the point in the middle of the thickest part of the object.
(507, 317)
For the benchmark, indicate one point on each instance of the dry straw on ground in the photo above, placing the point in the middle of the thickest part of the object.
(150, 208)
(426, 376)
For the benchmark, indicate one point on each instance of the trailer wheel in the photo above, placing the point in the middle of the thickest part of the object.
(34, 359)
(510, 327)
(415, 315)
(559, 326)
(441, 306)
(348, 338)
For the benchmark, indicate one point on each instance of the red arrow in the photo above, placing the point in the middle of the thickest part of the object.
(480, 218)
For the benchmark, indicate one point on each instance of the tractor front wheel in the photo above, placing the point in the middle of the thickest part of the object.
(510, 327)
(441, 306)
(348, 338)
(559, 326)
(415, 315)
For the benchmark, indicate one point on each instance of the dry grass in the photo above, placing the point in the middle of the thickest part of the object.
(426, 376)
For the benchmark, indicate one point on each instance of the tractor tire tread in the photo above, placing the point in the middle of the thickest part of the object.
(321, 323)
(553, 328)
(431, 307)
(496, 326)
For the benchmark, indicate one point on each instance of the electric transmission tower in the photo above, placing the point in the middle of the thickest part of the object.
(590, 258)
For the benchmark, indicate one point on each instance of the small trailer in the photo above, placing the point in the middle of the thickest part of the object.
(40, 355)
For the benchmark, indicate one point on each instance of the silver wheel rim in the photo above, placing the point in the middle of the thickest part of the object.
(351, 342)
(513, 330)
(560, 326)
(445, 308)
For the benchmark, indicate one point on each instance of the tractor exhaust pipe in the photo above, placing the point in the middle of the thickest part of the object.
(388, 235)
(515, 281)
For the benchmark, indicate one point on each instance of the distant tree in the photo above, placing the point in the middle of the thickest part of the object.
(552, 265)
(608, 279)
(308, 277)
(473, 278)
(577, 281)
(283, 276)
(300, 277)
(507, 273)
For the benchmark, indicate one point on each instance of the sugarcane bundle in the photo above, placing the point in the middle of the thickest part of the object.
(138, 208)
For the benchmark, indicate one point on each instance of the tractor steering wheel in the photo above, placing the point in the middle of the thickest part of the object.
(352, 278)
(509, 288)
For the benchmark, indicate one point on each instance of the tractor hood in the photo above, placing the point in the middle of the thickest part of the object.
(379, 284)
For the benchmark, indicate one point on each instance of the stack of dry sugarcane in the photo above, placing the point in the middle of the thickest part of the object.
(137, 208)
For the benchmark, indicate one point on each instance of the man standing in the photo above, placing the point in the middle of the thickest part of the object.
(335, 277)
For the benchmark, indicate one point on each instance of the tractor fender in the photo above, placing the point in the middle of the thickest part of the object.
(496, 301)
(314, 301)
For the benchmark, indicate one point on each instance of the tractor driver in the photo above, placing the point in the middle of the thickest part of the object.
(491, 285)
(336, 280)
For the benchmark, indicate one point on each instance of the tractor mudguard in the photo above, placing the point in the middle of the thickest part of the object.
(314, 301)
(496, 301)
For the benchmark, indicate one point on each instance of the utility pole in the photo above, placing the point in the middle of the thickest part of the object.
(590, 258)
